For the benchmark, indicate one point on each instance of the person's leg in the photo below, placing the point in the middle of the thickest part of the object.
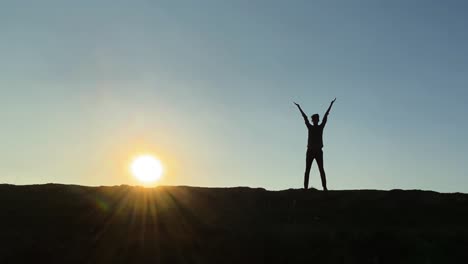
(319, 158)
(309, 159)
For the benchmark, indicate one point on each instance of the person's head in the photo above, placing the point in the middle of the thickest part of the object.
(315, 119)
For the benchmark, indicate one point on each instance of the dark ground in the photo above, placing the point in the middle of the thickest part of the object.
(74, 224)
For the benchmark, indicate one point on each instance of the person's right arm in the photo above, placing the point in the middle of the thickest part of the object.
(306, 120)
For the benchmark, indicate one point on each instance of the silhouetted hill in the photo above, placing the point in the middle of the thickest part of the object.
(73, 224)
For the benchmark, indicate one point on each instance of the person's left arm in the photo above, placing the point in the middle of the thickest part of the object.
(325, 118)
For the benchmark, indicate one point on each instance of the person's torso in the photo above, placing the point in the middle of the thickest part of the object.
(315, 140)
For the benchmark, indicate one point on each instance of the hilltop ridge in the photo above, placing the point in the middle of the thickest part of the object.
(55, 223)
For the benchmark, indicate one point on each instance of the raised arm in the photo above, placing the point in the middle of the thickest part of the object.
(325, 118)
(306, 120)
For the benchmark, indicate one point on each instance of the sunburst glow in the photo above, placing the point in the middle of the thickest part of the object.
(146, 168)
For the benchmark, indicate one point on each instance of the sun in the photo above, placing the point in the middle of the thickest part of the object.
(146, 168)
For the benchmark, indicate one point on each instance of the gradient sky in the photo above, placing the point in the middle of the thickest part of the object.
(208, 87)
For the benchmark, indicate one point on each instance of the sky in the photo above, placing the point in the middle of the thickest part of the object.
(208, 87)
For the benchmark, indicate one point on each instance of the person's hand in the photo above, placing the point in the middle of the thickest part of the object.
(296, 104)
(333, 100)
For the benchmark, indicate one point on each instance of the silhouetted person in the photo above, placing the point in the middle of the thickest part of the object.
(315, 144)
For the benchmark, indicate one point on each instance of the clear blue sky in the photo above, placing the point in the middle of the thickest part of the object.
(208, 87)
